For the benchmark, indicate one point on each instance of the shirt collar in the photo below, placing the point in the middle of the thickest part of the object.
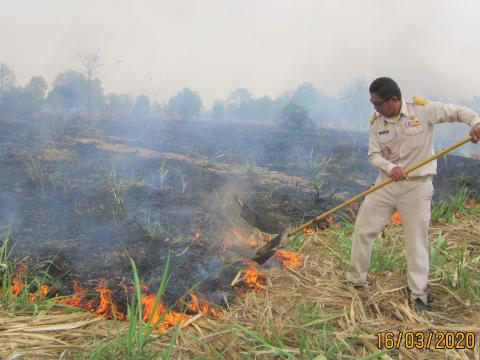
(403, 111)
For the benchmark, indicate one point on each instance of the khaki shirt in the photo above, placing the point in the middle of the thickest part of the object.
(409, 140)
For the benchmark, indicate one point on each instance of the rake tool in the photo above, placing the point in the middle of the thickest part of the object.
(267, 251)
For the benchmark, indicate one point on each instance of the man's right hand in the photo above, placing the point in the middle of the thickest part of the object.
(475, 133)
(398, 173)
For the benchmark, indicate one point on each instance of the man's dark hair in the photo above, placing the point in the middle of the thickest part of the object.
(386, 88)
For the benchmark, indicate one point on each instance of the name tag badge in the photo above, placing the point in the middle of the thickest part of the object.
(413, 123)
(385, 136)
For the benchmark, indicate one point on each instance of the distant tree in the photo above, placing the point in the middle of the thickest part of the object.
(8, 91)
(30, 99)
(305, 95)
(24, 103)
(7, 77)
(282, 100)
(295, 117)
(69, 91)
(264, 109)
(240, 105)
(37, 87)
(74, 93)
(185, 106)
(118, 107)
(91, 65)
(141, 109)
(10, 102)
(239, 96)
(322, 108)
(218, 110)
(157, 111)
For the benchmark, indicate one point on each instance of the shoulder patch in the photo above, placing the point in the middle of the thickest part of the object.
(419, 100)
(373, 118)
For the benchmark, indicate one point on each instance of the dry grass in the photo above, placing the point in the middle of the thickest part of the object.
(301, 313)
(45, 335)
(54, 154)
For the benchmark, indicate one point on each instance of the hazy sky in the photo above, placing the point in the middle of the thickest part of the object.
(267, 46)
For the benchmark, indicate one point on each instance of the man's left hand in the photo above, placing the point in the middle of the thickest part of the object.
(475, 133)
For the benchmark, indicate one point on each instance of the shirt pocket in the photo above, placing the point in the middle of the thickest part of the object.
(415, 136)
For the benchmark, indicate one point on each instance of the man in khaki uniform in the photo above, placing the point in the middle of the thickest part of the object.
(401, 135)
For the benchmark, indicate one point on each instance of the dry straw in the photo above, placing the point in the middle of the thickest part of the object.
(300, 310)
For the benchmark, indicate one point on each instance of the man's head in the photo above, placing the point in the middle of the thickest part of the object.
(386, 97)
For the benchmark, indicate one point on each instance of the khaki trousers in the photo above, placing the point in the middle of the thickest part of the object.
(413, 200)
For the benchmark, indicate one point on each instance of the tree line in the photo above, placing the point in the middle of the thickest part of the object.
(80, 94)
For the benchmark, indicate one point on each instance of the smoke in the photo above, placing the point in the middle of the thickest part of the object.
(264, 46)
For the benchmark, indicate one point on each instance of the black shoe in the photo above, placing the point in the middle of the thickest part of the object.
(419, 305)
(356, 287)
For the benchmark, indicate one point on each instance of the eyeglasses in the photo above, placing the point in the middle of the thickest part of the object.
(378, 103)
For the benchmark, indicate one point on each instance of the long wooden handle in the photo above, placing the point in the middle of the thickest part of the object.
(378, 186)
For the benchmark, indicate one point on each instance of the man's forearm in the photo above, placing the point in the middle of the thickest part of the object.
(380, 162)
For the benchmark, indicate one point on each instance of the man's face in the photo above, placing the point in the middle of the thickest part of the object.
(387, 107)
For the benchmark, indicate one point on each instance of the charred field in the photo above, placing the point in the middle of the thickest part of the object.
(85, 199)
(88, 198)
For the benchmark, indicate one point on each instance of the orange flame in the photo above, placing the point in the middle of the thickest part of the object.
(253, 278)
(197, 235)
(171, 318)
(308, 231)
(311, 230)
(289, 259)
(41, 293)
(196, 306)
(331, 221)
(148, 302)
(17, 283)
(106, 307)
(202, 305)
(396, 219)
(76, 298)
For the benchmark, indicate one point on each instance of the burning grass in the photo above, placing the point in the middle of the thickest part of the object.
(301, 309)
(289, 259)
(306, 312)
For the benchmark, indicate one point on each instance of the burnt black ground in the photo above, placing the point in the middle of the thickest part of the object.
(69, 213)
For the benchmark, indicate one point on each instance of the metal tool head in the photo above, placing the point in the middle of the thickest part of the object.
(269, 249)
